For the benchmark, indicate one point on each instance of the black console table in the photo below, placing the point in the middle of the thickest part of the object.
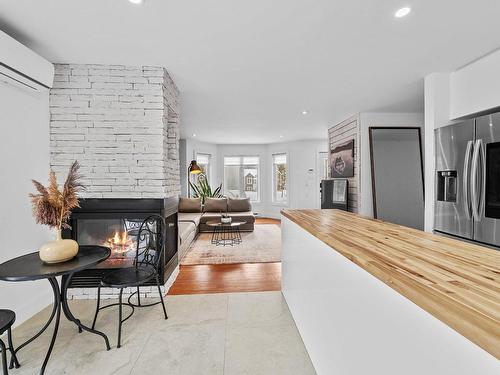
(29, 267)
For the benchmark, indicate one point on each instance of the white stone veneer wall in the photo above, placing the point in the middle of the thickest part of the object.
(122, 124)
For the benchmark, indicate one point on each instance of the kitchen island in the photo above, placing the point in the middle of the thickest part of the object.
(370, 297)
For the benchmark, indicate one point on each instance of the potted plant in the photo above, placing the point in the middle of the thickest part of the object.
(203, 190)
(52, 206)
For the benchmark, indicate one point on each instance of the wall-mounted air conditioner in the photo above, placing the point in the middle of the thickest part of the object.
(22, 67)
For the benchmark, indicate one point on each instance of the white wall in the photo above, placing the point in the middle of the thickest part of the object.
(303, 184)
(183, 166)
(368, 120)
(24, 117)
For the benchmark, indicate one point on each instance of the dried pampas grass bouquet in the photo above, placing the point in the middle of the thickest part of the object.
(52, 205)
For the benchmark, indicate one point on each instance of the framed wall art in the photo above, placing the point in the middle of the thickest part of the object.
(342, 160)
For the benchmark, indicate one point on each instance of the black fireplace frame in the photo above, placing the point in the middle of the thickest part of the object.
(121, 208)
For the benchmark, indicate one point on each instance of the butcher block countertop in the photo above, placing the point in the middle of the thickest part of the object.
(457, 282)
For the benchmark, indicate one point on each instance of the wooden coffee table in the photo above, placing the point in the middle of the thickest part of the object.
(226, 234)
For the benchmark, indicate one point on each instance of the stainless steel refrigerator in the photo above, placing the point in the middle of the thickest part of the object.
(468, 179)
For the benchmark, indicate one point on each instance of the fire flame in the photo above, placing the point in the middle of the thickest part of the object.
(119, 243)
(117, 240)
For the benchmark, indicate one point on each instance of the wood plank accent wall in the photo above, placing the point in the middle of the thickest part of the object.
(340, 133)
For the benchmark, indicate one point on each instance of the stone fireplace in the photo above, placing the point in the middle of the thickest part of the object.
(122, 125)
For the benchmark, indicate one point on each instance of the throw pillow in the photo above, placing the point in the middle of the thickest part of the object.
(190, 205)
(215, 205)
(239, 205)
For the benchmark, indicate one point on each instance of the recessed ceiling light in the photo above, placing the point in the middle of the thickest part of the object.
(194, 134)
(400, 13)
(136, 1)
(305, 112)
(281, 136)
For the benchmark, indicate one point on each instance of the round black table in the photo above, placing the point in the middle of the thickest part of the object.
(226, 234)
(29, 267)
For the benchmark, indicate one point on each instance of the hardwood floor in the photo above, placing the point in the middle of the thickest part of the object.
(227, 278)
(265, 220)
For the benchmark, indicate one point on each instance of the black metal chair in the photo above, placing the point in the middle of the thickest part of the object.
(150, 247)
(7, 319)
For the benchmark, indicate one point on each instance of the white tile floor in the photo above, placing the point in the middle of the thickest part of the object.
(243, 333)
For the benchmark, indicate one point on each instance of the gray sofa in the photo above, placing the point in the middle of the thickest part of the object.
(193, 217)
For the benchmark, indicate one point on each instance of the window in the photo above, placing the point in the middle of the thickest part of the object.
(280, 179)
(241, 177)
(203, 161)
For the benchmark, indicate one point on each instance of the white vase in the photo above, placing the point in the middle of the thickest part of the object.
(59, 250)
(226, 220)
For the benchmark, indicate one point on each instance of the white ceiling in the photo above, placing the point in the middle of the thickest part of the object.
(247, 69)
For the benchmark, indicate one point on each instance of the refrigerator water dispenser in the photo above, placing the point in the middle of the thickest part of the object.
(447, 186)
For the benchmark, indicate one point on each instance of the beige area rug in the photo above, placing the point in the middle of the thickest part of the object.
(260, 246)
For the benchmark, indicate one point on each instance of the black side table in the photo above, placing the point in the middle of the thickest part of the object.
(29, 267)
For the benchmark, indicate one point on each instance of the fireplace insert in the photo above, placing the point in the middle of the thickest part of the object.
(114, 223)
